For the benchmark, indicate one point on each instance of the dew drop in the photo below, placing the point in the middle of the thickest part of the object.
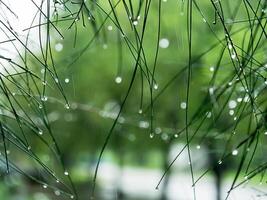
(140, 111)
(232, 104)
(265, 133)
(198, 146)
(118, 79)
(59, 47)
(176, 135)
(234, 152)
(183, 105)
(233, 56)
(67, 106)
(212, 69)
(151, 135)
(57, 192)
(110, 28)
(158, 130)
(164, 43)
(239, 99)
(40, 132)
(44, 186)
(231, 112)
(44, 98)
(67, 80)
(208, 114)
(66, 173)
(135, 22)
(156, 86)
(143, 124)
(220, 162)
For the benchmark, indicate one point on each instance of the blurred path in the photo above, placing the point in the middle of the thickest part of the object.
(140, 183)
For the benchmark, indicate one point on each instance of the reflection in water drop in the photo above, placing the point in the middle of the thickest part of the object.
(164, 43)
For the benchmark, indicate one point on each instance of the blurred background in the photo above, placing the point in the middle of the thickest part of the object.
(167, 111)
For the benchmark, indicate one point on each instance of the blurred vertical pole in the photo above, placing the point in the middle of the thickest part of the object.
(215, 167)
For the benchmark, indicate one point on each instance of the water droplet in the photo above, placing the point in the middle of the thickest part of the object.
(265, 133)
(29, 148)
(67, 80)
(234, 152)
(198, 147)
(57, 181)
(211, 90)
(59, 47)
(204, 20)
(56, 80)
(71, 196)
(176, 135)
(156, 86)
(44, 82)
(118, 79)
(165, 136)
(151, 135)
(208, 114)
(231, 112)
(110, 28)
(164, 43)
(212, 69)
(233, 56)
(135, 22)
(140, 111)
(40, 106)
(44, 186)
(232, 104)
(44, 98)
(40, 132)
(183, 105)
(67, 106)
(57, 192)
(158, 130)
(220, 162)
(143, 124)
(66, 173)
(239, 99)
(230, 46)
